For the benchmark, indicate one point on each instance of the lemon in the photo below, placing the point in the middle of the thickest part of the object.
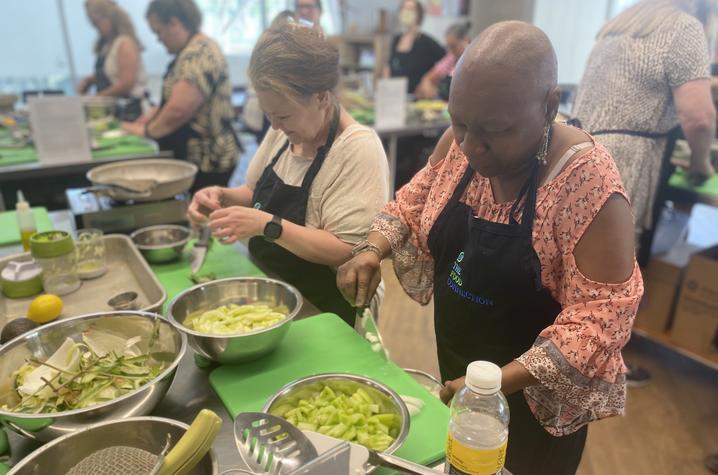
(45, 308)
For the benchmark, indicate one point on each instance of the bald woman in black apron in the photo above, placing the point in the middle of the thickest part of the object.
(522, 235)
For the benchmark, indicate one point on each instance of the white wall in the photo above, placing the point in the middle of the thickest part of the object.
(572, 26)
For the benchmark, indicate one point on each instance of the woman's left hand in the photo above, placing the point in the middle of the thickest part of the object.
(450, 388)
(238, 222)
(133, 128)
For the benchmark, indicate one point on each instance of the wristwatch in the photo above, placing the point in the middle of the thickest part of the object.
(273, 229)
(366, 246)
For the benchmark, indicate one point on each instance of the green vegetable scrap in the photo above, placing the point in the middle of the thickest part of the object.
(354, 416)
(80, 375)
(231, 319)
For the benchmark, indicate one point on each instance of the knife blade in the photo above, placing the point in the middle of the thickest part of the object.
(199, 251)
(366, 327)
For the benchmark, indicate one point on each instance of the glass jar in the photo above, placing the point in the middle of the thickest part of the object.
(90, 253)
(55, 252)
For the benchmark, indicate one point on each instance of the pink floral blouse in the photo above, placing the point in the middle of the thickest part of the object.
(577, 359)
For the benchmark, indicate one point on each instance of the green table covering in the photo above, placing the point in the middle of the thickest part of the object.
(9, 231)
(127, 146)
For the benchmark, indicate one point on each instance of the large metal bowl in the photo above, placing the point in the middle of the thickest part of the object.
(147, 433)
(241, 347)
(346, 383)
(42, 342)
(161, 243)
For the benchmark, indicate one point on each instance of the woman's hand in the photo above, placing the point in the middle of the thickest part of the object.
(134, 128)
(204, 202)
(699, 172)
(358, 279)
(238, 222)
(450, 388)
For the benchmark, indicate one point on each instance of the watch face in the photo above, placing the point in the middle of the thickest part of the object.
(272, 230)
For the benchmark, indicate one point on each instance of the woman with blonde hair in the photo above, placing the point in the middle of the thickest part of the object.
(317, 179)
(118, 67)
(647, 74)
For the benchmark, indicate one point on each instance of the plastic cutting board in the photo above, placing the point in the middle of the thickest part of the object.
(325, 344)
(10, 233)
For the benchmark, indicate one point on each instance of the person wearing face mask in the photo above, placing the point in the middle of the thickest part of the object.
(194, 119)
(521, 231)
(436, 82)
(317, 179)
(413, 53)
(309, 11)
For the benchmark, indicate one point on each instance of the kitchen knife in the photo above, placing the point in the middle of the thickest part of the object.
(199, 252)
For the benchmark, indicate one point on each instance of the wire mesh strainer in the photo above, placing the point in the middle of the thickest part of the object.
(118, 460)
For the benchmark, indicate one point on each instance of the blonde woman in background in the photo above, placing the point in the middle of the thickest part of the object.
(118, 68)
(647, 74)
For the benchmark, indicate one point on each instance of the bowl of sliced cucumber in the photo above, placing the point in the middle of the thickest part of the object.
(344, 406)
(237, 319)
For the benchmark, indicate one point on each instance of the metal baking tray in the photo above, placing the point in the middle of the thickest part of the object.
(127, 271)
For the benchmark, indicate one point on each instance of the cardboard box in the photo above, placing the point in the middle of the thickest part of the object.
(662, 279)
(696, 320)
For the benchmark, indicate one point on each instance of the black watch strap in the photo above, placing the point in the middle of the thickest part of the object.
(273, 229)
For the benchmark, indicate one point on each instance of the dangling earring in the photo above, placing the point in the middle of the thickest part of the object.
(543, 151)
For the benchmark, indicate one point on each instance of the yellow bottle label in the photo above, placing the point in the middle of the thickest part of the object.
(463, 460)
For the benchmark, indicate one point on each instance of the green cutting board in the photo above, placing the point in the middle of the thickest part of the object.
(709, 188)
(325, 344)
(9, 231)
(222, 261)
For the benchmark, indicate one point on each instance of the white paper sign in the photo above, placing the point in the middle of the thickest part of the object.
(390, 103)
(59, 130)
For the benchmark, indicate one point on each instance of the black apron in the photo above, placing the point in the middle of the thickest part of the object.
(101, 79)
(318, 283)
(131, 107)
(489, 304)
(177, 141)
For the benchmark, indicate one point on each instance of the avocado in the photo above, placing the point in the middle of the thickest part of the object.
(15, 328)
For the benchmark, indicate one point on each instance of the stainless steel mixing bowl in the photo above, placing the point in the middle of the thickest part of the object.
(161, 243)
(236, 348)
(42, 342)
(147, 433)
(391, 402)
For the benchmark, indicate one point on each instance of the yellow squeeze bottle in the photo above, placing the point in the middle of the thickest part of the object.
(25, 220)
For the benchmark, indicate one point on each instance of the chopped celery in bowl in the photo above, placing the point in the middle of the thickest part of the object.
(232, 319)
(347, 407)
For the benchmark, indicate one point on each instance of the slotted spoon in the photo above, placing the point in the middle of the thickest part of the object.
(271, 445)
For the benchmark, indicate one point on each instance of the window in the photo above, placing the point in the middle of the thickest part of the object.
(49, 62)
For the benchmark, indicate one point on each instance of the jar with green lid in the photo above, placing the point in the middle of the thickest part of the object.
(55, 252)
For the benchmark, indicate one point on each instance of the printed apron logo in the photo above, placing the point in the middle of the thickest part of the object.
(456, 283)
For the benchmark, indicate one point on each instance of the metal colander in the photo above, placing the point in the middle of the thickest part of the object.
(118, 460)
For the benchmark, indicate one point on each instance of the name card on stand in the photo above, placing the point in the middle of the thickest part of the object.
(390, 103)
(59, 130)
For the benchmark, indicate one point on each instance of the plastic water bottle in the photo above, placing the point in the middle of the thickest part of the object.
(479, 424)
